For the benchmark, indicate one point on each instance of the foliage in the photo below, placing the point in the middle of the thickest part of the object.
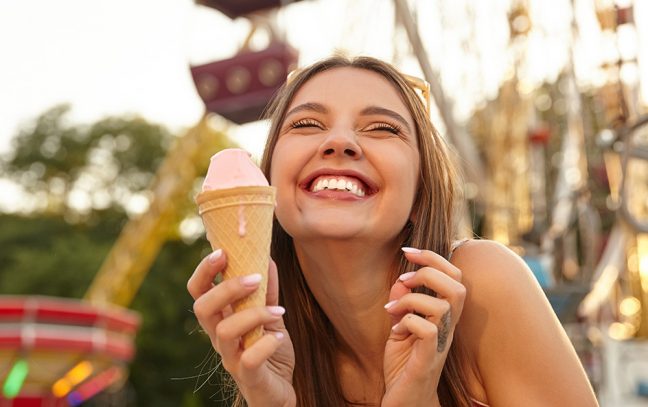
(86, 168)
(57, 249)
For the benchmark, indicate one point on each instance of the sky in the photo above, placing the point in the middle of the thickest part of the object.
(122, 56)
(132, 57)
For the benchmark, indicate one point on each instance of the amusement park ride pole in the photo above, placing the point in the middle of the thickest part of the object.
(457, 135)
(130, 258)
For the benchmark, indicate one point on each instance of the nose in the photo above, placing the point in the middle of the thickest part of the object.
(341, 143)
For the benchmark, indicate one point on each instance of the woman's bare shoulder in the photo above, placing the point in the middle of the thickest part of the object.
(498, 283)
(490, 264)
(496, 279)
(511, 334)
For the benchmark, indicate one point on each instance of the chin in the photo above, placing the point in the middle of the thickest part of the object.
(329, 229)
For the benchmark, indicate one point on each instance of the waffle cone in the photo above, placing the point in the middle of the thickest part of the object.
(239, 221)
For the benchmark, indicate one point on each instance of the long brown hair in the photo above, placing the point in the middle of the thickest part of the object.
(316, 379)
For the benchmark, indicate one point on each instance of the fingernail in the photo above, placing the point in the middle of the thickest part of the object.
(215, 255)
(279, 335)
(251, 280)
(277, 310)
(399, 328)
(390, 304)
(407, 276)
(411, 250)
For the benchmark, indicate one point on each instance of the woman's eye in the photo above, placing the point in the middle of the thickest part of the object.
(384, 127)
(300, 124)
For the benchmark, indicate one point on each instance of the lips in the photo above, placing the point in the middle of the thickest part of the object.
(327, 181)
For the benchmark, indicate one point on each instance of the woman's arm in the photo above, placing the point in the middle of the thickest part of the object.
(522, 353)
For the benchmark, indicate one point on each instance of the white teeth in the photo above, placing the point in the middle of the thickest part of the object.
(338, 184)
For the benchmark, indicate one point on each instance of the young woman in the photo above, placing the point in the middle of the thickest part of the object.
(364, 305)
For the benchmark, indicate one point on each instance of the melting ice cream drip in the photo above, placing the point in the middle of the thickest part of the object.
(241, 221)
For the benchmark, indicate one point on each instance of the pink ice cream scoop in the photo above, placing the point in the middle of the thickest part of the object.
(231, 168)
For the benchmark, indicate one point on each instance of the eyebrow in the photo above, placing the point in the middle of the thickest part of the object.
(371, 110)
(310, 106)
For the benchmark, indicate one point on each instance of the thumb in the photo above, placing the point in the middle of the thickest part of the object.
(272, 293)
(272, 296)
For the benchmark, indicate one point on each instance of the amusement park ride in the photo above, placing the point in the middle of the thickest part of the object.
(56, 352)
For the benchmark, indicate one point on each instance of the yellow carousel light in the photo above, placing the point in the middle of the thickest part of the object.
(79, 373)
(61, 387)
(74, 376)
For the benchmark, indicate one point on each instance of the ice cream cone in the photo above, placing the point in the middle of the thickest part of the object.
(239, 221)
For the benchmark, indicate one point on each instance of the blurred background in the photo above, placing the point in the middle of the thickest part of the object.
(109, 112)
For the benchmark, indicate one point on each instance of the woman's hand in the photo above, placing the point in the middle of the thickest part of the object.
(264, 371)
(423, 329)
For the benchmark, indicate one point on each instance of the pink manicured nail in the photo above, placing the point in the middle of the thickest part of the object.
(215, 255)
(279, 335)
(390, 304)
(277, 310)
(411, 250)
(407, 276)
(251, 280)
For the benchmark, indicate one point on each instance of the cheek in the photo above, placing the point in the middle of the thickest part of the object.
(280, 164)
(284, 175)
(410, 182)
(407, 172)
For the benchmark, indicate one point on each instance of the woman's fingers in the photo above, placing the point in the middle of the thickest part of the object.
(253, 357)
(432, 259)
(433, 309)
(202, 279)
(418, 326)
(209, 308)
(424, 331)
(433, 336)
(436, 280)
(430, 319)
(213, 307)
(230, 330)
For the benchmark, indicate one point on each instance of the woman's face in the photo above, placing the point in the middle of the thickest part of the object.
(346, 162)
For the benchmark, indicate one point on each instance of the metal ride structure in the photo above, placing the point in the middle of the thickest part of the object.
(617, 305)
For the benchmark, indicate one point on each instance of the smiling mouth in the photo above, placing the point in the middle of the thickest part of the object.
(346, 184)
(339, 184)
